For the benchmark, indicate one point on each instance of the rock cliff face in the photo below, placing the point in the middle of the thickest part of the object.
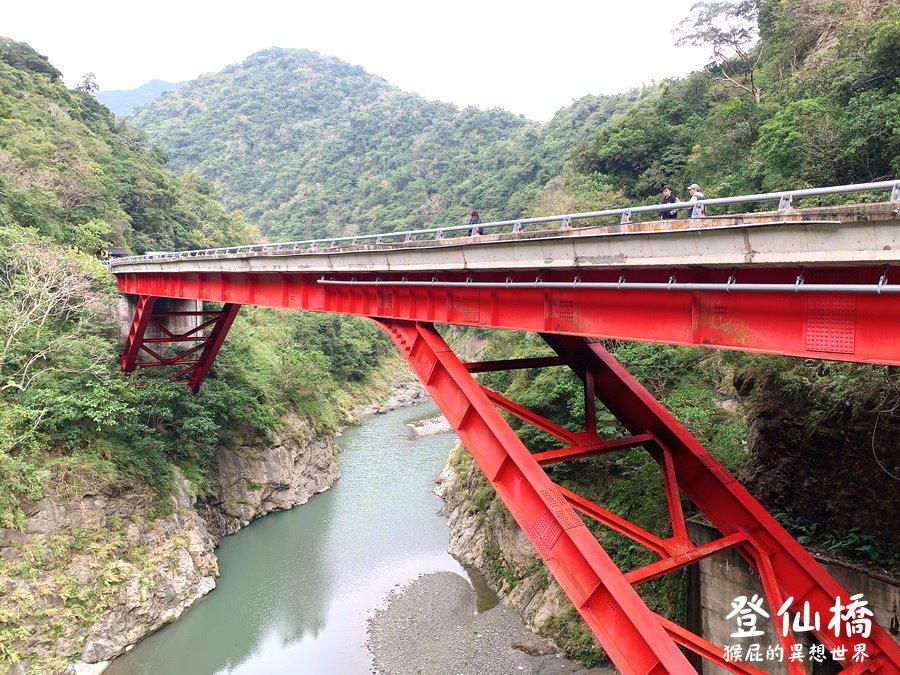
(94, 572)
(484, 535)
(250, 481)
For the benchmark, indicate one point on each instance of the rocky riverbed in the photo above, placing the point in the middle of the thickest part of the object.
(430, 427)
(431, 626)
(401, 393)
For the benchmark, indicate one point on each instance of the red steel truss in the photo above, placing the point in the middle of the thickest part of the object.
(839, 326)
(192, 363)
(636, 639)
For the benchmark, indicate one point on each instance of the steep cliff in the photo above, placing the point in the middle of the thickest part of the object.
(250, 481)
(93, 571)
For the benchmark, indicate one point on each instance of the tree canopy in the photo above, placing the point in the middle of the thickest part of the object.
(74, 173)
(306, 145)
(814, 101)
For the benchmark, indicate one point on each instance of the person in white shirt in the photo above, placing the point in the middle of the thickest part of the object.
(696, 195)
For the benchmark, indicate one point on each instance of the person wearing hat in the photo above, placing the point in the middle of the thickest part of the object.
(668, 198)
(696, 195)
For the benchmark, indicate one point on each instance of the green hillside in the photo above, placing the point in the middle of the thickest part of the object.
(306, 145)
(72, 172)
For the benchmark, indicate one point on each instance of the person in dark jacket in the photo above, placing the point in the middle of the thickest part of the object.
(475, 221)
(668, 198)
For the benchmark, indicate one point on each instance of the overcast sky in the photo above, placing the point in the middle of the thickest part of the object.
(531, 58)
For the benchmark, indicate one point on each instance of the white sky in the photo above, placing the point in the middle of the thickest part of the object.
(531, 58)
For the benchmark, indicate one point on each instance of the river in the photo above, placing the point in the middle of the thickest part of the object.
(296, 587)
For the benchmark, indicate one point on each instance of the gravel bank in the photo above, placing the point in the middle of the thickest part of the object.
(430, 427)
(430, 627)
(403, 393)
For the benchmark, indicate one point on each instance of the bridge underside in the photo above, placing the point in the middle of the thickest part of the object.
(722, 308)
(842, 325)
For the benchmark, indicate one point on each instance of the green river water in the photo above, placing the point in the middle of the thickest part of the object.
(297, 586)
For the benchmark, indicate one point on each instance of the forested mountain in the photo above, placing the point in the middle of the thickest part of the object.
(124, 101)
(306, 145)
(799, 93)
(71, 172)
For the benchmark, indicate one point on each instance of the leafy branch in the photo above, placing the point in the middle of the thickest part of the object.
(730, 30)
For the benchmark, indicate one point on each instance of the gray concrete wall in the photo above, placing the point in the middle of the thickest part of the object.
(176, 324)
(718, 580)
(125, 306)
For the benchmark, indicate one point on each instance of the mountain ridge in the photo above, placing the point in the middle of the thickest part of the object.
(123, 102)
(308, 145)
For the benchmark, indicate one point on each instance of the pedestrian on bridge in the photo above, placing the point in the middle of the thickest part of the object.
(696, 196)
(668, 198)
(475, 221)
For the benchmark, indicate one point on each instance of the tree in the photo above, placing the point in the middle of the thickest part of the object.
(730, 30)
(48, 302)
(88, 84)
(22, 56)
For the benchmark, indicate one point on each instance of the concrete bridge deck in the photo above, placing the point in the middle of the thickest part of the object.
(861, 234)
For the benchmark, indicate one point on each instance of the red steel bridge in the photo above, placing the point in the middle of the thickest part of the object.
(820, 283)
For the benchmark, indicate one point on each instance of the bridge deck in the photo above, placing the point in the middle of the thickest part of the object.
(850, 235)
(681, 285)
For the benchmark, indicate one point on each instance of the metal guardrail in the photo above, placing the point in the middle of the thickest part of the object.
(730, 286)
(697, 209)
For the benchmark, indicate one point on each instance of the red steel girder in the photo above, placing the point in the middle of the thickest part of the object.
(636, 639)
(850, 327)
(785, 568)
(632, 635)
(837, 326)
(143, 314)
(197, 368)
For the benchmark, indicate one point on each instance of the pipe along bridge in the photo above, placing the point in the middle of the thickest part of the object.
(820, 283)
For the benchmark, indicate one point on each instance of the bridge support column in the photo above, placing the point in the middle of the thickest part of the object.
(184, 338)
(636, 639)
